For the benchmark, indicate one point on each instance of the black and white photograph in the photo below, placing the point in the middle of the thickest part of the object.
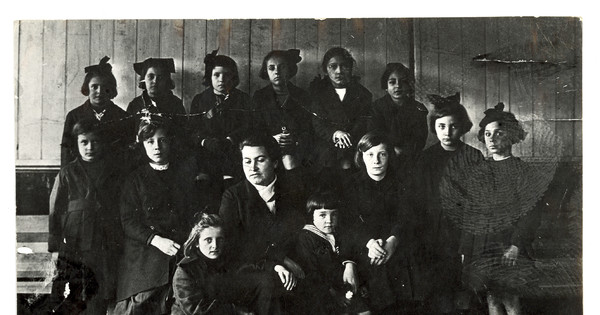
(361, 165)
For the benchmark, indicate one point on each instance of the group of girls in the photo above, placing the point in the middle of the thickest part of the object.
(375, 237)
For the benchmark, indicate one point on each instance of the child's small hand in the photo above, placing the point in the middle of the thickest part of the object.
(510, 256)
(165, 245)
(287, 278)
(350, 276)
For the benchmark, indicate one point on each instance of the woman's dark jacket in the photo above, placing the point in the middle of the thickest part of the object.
(154, 203)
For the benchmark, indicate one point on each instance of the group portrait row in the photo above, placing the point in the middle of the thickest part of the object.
(316, 200)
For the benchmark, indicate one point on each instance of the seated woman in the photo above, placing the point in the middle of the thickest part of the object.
(100, 87)
(157, 205)
(282, 109)
(341, 107)
(382, 220)
(222, 113)
(398, 115)
(323, 251)
(204, 282)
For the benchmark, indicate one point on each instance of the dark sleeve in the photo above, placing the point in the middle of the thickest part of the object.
(67, 143)
(322, 127)
(229, 213)
(377, 121)
(58, 206)
(360, 125)
(131, 214)
(189, 296)
(244, 118)
(319, 276)
(421, 131)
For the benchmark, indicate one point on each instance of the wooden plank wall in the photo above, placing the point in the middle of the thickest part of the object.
(54, 53)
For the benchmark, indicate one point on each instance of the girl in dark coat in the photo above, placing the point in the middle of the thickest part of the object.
(329, 261)
(100, 86)
(449, 121)
(204, 282)
(282, 109)
(220, 115)
(397, 114)
(382, 221)
(84, 224)
(341, 107)
(157, 204)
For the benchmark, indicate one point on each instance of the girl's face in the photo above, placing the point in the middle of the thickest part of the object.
(100, 92)
(376, 161)
(158, 147)
(278, 71)
(339, 72)
(221, 79)
(448, 132)
(156, 81)
(497, 140)
(398, 87)
(326, 220)
(211, 242)
(90, 147)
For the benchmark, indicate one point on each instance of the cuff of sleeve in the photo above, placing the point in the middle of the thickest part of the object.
(348, 262)
(149, 239)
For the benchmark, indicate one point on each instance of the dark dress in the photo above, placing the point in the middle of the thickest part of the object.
(349, 115)
(293, 115)
(221, 118)
(257, 236)
(405, 126)
(438, 246)
(153, 203)
(118, 129)
(379, 209)
(324, 269)
(84, 228)
(207, 286)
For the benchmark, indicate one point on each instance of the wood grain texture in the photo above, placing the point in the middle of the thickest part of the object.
(194, 51)
(122, 61)
(306, 41)
(375, 57)
(240, 52)
(171, 46)
(261, 45)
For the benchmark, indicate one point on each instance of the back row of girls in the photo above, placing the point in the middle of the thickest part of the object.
(255, 162)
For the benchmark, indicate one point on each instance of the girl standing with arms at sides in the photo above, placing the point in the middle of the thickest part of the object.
(449, 121)
(382, 220)
(225, 113)
(157, 204)
(100, 87)
(326, 256)
(281, 108)
(84, 227)
(397, 114)
(341, 105)
(204, 282)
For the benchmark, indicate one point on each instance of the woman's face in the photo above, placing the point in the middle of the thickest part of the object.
(398, 87)
(211, 242)
(278, 71)
(158, 147)
(326, 220)
(156, 81)
(100, 92)
(497, 140)
(339, 72)
(376, 161)
(221, 79)
(259, 168)
(448, 132)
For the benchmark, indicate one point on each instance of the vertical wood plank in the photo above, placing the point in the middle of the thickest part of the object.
(29, 98)
(78, 57)
(259, 47)
(16, 62)
(497, 86)
(306, 41)
(329, 32)
(284, 34)
(123, 60)
(101, 40)
(217, 36)
(53, 87)
(352, 34)
(375, 43)
(148, 42)
(240, 52)
(398, 41)
(578, 137)
(450, 55)
(521, 93)
(566, 90)
(171, 46)
(194, 50)
(426, 59)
